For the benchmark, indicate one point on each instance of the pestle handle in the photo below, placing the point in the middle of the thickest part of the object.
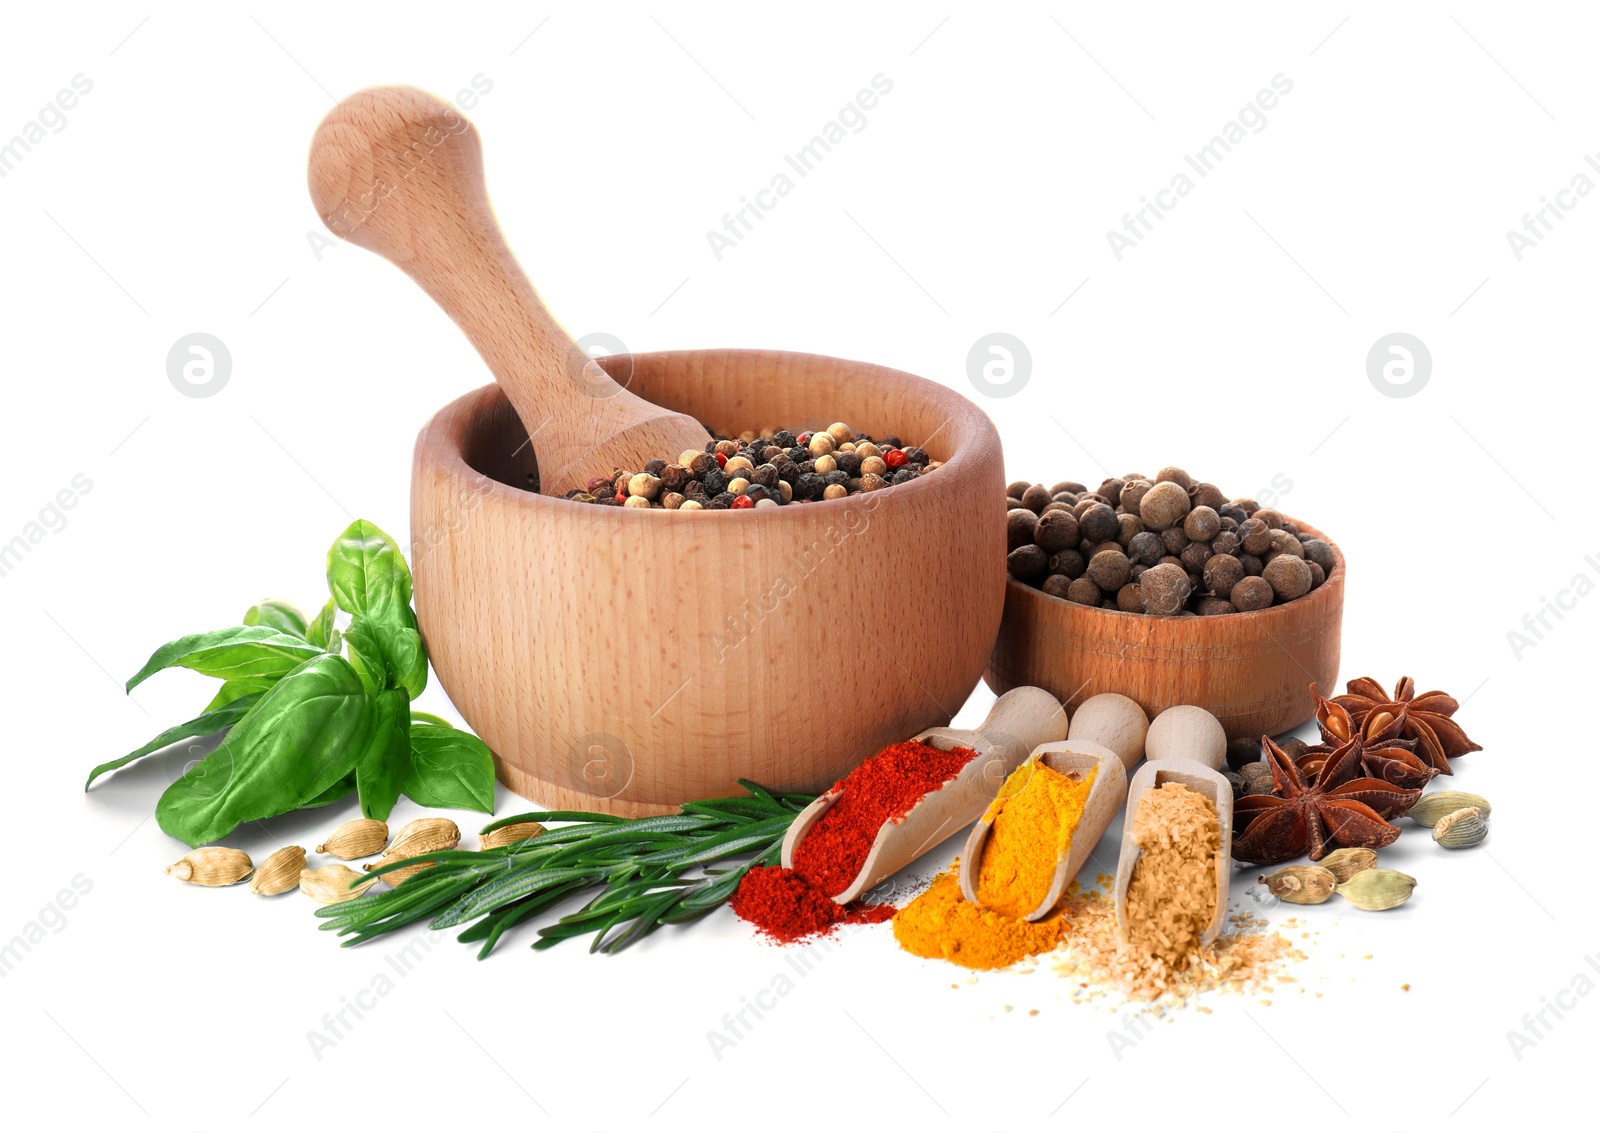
(400, 173)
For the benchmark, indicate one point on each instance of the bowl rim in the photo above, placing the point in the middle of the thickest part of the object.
(447, 428)
(1315, 600)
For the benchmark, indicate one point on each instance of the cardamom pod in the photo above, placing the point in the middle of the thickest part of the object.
(1461, 828)
(1431, 808)
(421, 835)
(358, 838)
(509, 835)
(1346, 863)
(396, 876)
(1301, 884)
(1376, 889)
(332, 883)
(280, 872)
(212, 865)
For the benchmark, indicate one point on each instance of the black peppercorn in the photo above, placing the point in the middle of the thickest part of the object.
(757, 492)
(673, 477)
(891, 441)
(848, 463)
(722, 502)
(808, 486)
(918, 457)
(654, 467)
(765, 475)
(903, 475)
(716, 482)
(837, 476)
(783, 438)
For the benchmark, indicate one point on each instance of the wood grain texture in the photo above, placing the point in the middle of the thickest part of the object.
(400, 173)
(628, 660)
(1251, 671)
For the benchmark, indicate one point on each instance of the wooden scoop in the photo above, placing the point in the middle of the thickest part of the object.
(400, 173)
(1020, 721)
(1213, 786)
(1075, 759)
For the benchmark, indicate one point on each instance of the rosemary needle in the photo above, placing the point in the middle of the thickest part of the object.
(641, 873)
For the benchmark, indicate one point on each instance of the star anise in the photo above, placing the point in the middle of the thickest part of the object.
(1385, 754)
(1427, 718)
(1313, 816)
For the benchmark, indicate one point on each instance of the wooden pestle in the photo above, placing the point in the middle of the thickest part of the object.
(400, 173)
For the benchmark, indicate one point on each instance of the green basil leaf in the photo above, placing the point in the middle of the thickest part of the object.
(333, 794)
(368, 574)
(207, 723)
(320, 631)
(430, 718)
(238, 687)
(240, 651)
(385, 762)
(279, 615)
(386, 655)
(450, 768)
(301, 739)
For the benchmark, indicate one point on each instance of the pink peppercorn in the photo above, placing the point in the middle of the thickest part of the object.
(896, 458)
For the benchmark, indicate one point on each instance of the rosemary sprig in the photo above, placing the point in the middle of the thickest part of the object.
(644, 873)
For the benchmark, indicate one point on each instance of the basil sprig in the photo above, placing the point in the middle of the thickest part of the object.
(312, 713)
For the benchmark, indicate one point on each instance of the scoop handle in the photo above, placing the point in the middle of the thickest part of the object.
(1020, 721)
(400, 173)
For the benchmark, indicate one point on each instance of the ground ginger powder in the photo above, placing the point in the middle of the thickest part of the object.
(1034, 818)
(942, 925)
(1172, 895)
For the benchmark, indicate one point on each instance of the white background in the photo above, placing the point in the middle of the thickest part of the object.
(1231, 341)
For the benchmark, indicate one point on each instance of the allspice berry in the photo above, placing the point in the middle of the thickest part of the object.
(1195, 556)
(1131, 525)
(1214, 607)
(1284, 544)
(1251, 593)
(1145, 548)
(1289, 577)
(1165, 587)
(1133, 491)
(1069, 562)
(1057, 585)
(1083, 590)
(1318, 551)
(1207, 495)
(1173, 541)
(1099, 523)
(1027, 562)
(1034, 498)
(1255, 536)
(1318, 577)
(1055, 530)
(1222, 573)
(1109, 569)
(1202, 524)
(1020, 527)
(1164, 505)
(1173, 475)
(1130, 599)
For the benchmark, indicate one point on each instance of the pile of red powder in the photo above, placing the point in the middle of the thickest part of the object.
(792, 905)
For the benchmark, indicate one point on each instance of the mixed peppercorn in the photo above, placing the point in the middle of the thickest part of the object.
(768, 469)
(1165, 545)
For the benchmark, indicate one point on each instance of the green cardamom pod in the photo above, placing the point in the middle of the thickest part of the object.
(1346, 863)
(1376, 889)
(1431, 808)
(1462, 828)
(1301, 884)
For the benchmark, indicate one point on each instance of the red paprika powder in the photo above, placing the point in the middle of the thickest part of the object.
(785, 908)
(791, 905)
(883, 789)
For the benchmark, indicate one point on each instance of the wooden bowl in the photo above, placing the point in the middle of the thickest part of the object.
(628, 660)
(1252, 671)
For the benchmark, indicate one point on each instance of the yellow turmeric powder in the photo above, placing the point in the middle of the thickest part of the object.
(941, 925)
(1034, 817)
